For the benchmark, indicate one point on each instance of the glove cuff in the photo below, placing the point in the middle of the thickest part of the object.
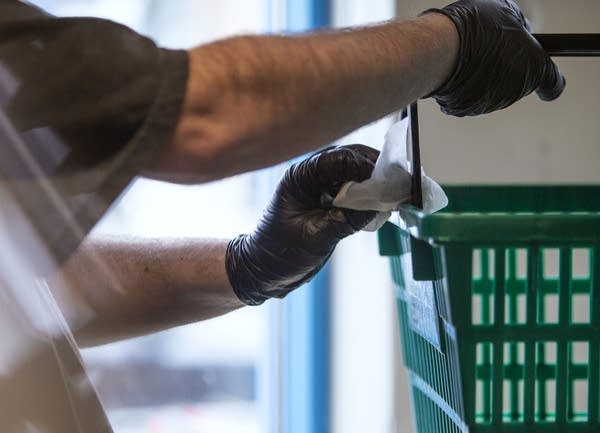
(244, 284)
(255, 274)
(443, 88)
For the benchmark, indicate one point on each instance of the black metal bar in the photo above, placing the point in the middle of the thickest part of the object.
(415, 187)
(570, 44)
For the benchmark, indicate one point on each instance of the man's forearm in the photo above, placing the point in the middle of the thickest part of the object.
(257, 100)
(125, 288)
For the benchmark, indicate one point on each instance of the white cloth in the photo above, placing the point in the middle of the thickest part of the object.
(389, 184)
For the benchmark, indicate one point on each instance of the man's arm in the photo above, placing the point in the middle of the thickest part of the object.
(253, 101)
(119, 288)
(124, 288)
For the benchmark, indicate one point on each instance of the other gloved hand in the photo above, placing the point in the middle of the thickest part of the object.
(299, 230)
(499, 61)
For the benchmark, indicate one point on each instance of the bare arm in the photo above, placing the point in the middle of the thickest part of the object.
(253, 101)
(136, 286)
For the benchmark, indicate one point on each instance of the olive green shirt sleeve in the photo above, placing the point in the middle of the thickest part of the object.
(86, 103)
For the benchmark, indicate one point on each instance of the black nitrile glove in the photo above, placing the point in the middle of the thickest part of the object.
(299, 229)
(499, 61)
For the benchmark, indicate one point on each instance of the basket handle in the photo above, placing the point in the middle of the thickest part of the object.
(570, 44)
(556, 44)
(413, 152)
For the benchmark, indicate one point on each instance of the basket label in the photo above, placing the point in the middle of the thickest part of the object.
(422, 308)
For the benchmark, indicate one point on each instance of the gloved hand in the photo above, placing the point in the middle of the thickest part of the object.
(499, 61)
(299, 229)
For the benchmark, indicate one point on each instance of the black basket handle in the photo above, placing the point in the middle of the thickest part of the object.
(560, 44)
(414, 154)
(570, 44)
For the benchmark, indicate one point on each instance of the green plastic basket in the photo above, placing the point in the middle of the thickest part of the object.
(499, 307)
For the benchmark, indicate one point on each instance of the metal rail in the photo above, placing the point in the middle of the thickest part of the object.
(570, 44)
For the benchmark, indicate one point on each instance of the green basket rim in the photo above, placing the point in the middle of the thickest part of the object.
(500, 228)
(485, 220)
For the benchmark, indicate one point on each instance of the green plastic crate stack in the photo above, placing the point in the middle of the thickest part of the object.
(499, 308)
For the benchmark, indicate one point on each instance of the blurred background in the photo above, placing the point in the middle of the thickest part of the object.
(326, 359)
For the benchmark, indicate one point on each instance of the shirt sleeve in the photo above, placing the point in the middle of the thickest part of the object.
(86, 103)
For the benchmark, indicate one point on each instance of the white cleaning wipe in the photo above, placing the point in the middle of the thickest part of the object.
(389, 184)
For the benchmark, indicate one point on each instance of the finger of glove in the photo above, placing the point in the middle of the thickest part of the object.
(345, 222)
(369, 152)
(552, 82)
(519, 14)
(323, 174)
(358, 219)
(341, 165)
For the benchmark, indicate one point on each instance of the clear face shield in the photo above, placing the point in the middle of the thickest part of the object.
(43, 385)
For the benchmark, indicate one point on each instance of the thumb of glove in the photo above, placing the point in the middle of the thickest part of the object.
(553, 82)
